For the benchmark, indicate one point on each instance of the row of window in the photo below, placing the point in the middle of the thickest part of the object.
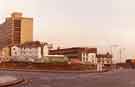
(25, 53)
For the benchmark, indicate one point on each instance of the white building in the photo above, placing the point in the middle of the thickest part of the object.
(29, 51)
(34, 52)
(105, 59)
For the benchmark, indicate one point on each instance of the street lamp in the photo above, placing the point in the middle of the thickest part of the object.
(121, 53)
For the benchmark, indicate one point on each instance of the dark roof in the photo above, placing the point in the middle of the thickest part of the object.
(107, 55)
(81, 48)
(73, 50)
(32, 44)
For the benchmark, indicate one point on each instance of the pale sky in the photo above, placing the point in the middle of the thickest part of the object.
(69, 23)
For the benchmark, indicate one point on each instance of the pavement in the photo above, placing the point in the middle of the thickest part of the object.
(117, 78)
(5, 79)
(54, 71)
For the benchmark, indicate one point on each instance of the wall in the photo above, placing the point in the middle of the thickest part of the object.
(26, 30)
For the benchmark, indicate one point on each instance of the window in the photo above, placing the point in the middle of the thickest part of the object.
(13, 48)
(15, 53)
(17, 24)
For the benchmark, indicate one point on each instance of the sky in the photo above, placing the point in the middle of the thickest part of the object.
(70, 23)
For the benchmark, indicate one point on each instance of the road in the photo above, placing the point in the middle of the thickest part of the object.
(120, 78)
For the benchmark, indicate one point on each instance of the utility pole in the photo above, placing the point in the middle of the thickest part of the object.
(111, 50)
(120, 54)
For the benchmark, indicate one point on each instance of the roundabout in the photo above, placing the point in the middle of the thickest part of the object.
(7, 81)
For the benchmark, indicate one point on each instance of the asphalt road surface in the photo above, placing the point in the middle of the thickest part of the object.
(120, 78)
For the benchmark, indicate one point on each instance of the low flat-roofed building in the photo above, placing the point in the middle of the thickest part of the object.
(84, 54)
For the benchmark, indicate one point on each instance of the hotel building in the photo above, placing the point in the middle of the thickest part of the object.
(16, 30)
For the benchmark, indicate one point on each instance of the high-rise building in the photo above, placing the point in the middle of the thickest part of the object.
(16, 30)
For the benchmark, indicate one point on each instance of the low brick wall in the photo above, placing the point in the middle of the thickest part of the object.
(44, 66)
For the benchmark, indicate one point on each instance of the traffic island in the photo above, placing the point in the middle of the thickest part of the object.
(6, 81)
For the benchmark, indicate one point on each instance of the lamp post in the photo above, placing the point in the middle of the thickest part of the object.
(121, 54)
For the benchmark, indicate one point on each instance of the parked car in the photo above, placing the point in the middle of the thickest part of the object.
(75, 61)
